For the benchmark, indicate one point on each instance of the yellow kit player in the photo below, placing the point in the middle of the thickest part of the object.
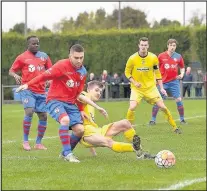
(94, 136)
(142, 70)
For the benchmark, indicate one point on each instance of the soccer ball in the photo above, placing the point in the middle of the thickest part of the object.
(165, 159)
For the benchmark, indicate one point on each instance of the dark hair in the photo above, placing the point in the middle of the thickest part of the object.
(143, 39)
(172, 40)
(95, 83)
(32, 36)
(76, 48)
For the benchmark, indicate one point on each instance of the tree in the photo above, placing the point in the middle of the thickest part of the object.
(100, 19)
(166, 23)
(19, 28)
(43, 29)
(130, 18)
(83, 21)
(64, 25)
(197, 19)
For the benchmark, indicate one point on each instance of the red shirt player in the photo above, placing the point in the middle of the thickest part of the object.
(31, 63)
(169, 62)
(68, 78)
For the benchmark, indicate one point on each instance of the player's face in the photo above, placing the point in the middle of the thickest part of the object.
(77, 59)
(143, 46)
(33, 45)
(171, 47)
(95, 93)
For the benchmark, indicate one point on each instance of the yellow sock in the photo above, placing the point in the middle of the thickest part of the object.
(122, 147)
(129, 134)
(130, 116)
(169, 118)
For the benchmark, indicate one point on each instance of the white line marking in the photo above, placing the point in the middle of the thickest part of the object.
(193, 117)
(53, 137)
(184, 184)
(10, 141)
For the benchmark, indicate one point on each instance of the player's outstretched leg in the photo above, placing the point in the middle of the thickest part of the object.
(138, 149)
(137, 146)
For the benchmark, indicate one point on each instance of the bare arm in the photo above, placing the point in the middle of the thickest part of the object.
(159, 81)
(86, 100)
(16, 77)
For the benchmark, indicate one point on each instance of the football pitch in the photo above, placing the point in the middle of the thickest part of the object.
(43, 170)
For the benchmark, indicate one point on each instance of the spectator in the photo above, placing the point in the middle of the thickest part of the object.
(104, 78)
(188, 77)
(205, 85)
(198, 86)
(91, 77)
(126, 86)
(115, 81)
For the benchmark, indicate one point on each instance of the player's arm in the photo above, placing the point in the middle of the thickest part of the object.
(48, 65)
(49, 74)
(93, 151)
(158, 76)
(84, 99)
(128, 72)
(182, 68)
(16, 66)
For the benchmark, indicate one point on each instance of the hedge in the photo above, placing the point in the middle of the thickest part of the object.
(106, 49)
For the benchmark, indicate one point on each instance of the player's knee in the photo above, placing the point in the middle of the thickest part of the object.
(43, 116)
(29, 112)
(178, 99)
(65, 120)
(126, 124)
(78, 130)
(161, 105)
(108, 143)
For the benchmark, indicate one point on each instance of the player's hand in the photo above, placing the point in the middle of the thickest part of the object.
(47, 84)
(179, 77)
(22, 87)
(84, 115)
(163, 92)
(103, 112)
(93, 151)
(137, 84)
(17, 79)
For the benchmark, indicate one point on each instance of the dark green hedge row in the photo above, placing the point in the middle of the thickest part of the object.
(103, 49)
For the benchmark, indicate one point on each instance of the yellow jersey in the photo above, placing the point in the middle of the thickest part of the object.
(90, 112)
(144, 70)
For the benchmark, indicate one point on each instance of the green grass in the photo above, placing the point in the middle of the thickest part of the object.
(43, 170)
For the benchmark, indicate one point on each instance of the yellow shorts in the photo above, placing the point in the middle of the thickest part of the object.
(151, 95)
(91, 130)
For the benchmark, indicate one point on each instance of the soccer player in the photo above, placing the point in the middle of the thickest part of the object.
(67, 82)
(103, 137)
(30, 64)
(141, 70)
(169, 61)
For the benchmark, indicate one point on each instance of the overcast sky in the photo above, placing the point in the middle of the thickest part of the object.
(48, 13)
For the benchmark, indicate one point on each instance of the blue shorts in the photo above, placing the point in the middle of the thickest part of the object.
(33, 100)
(172, 88)
(56, 108)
